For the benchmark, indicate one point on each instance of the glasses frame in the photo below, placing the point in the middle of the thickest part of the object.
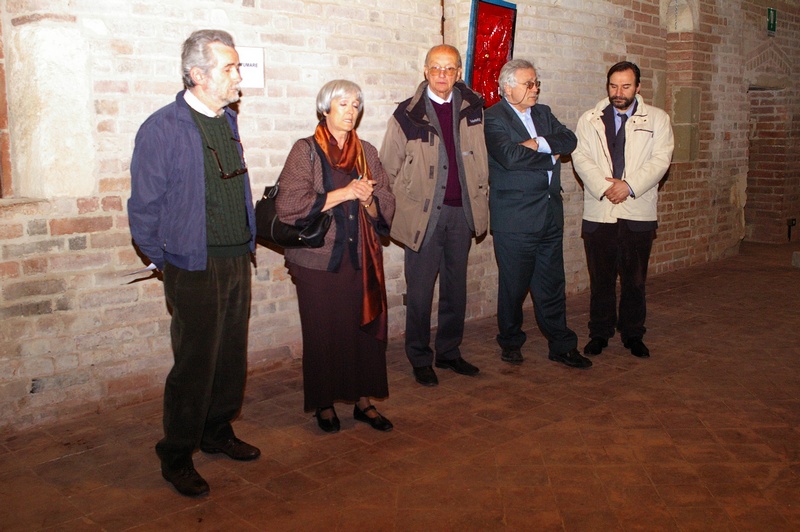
(222, 173)
(529, 85)
(447, 71)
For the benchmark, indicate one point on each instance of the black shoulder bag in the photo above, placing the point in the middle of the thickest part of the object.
(271, 229)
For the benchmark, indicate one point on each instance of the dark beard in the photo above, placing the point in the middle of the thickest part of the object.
(624, 103)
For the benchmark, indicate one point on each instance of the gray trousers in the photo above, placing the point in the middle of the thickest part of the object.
(444, 254)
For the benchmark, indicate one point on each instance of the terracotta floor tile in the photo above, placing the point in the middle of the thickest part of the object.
(672, 473)
(644, 517)
(704, 519)
(622, 475)
(531, 519)
(530, 497)
(633, 496)
(704, 435)
(685, 495)
(579, 520)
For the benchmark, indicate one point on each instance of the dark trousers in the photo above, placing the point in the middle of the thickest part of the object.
(445, 255)
(614, 250)
(204, 389)
(535, 262)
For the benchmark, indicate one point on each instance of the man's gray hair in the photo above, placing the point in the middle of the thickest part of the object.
(197, 52)
(338, 88)
(508, 73)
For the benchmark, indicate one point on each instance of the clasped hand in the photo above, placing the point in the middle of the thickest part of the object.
(618, 191)
(361, 189)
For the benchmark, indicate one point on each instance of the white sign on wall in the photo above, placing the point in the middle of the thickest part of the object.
(252, 69)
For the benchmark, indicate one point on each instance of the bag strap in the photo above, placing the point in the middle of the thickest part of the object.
(271, 192)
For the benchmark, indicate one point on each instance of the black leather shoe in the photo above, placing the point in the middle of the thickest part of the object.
(459, 365)
(378, 422)
(512, 356)
(572, 359)
(234, 448)
(595, 346)
(331, 425)
(426, 376)
(186, 480)
(637, 347)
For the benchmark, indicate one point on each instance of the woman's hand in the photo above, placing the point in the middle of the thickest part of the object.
(357, 189)
(362, 189)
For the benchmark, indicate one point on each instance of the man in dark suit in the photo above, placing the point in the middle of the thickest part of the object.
(525, 142)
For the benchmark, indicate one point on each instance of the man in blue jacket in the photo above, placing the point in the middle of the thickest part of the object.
(525, 142)
(191, 214)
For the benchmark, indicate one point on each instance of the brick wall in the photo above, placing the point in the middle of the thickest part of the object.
(5, 161)
(773, 187)
(77, 335)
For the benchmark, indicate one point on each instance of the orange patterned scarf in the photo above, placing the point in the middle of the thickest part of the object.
(346, 158)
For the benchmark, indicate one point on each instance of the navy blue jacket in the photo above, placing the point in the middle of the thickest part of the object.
(167, 207)
(519, 192)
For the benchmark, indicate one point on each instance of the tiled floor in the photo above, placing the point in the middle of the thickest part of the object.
(705, 435)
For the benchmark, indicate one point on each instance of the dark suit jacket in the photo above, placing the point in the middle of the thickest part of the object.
(518, 188)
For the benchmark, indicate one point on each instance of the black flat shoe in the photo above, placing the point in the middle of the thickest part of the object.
(378, 422)
(328, 425)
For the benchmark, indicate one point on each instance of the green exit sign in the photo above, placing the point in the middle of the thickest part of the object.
(772, 20)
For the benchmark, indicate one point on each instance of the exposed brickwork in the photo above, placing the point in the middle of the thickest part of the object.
(773, 178)
(77, 335)
(5, 158)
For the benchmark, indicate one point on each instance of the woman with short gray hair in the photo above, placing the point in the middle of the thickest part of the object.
(341, 291)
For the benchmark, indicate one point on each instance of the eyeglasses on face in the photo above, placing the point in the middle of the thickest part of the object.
(531, 84)
(222, 173)
(447, 71)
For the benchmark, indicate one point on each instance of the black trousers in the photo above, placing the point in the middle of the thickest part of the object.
(444, 255)
(535, 262)
(614, 250)
(205, 388)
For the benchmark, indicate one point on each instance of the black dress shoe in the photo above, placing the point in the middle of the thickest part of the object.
(426, 376)
(572, 359)
(186, 480)
(595, 346)
(378, 422)
(234, 448)
(637, 347)
(331, 425)
(459, 365)
(512, 356)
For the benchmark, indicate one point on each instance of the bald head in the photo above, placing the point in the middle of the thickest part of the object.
(442, 69)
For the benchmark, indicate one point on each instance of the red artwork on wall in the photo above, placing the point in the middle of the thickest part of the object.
(492, 45)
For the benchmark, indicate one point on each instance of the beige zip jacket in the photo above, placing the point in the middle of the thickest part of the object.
(648, 154)
(411, 156)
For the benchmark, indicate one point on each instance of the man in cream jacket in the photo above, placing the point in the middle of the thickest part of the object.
(624, 150)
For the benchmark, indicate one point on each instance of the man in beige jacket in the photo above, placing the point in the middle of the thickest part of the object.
(624, 150)
(435, 155)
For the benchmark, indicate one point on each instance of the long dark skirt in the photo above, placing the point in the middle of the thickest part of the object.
(340, 361)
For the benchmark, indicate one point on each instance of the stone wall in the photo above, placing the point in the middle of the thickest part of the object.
(78, 335)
